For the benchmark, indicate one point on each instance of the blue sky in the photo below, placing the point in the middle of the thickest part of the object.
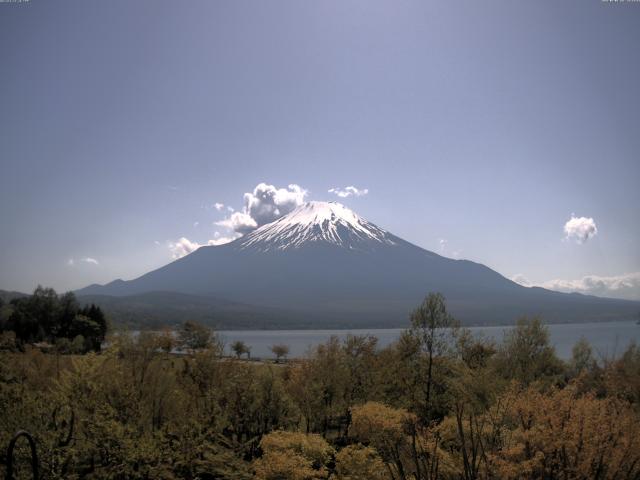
(478, 128)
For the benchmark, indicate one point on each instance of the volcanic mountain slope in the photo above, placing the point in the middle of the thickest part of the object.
(324, 263)
(318, 223)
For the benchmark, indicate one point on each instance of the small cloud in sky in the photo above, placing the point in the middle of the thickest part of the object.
(173, 188)
(91, 261)
(443, 247)
(218, 206)
(580, 229)
(349, 191)
(156, 242)
(195, 224)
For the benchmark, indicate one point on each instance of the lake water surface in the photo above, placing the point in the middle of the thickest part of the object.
(606, 338)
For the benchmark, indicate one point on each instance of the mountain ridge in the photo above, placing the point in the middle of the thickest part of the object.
(324, 222)
(324, 261)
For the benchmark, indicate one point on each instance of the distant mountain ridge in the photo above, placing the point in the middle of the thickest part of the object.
(324, 263)
(7, 296)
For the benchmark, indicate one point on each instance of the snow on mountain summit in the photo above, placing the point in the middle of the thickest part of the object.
(317, 222)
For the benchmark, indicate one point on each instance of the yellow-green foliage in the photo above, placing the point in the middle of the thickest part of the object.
(293, 455)
(380, 425)
(560, 434)
(348, 411)
(357, 462)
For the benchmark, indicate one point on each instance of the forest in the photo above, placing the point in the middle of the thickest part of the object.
(57, 321)
(440, 403)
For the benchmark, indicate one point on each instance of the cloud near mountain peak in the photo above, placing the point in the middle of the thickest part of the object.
(265, 204)
(349, 191)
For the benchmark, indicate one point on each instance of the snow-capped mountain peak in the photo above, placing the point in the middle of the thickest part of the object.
(317, 222)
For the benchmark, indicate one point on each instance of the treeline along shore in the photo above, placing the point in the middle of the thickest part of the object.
(439, 403)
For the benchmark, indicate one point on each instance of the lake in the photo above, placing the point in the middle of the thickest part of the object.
(606, 338)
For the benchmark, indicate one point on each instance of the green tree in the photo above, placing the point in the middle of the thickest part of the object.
(47, 316)
(357, 462)
(387, 430)
(88, 329)
(359, 358)
(67, 310)
(280, 351)
(293, 456)
(194, 336)
(78, 345)
(434, 328)
(240, 348)
(622, 376)
(97, 315)
(474, 351)
(526, 354)
(4, 315)
(166, 340)
(582, 357)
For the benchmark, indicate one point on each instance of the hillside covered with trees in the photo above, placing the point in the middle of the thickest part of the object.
(58, 320)
(437, 404)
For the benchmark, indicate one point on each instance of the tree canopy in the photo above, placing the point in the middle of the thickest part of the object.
(49, 317)
(349, 410)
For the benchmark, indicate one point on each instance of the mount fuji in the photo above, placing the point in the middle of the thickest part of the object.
(322, 265)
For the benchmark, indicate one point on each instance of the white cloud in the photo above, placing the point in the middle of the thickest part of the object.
(219, 239)
(195, 224)
(521, 279)
(267, 203)
(239, 222)
(183, 246)
(445, 249)
(580, 229)
(618, 286)
(349, 191)
(626, 286)
(264, 205)
(92, 261)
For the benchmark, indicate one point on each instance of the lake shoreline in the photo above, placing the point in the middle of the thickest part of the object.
(155, 328)
(607, 338)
